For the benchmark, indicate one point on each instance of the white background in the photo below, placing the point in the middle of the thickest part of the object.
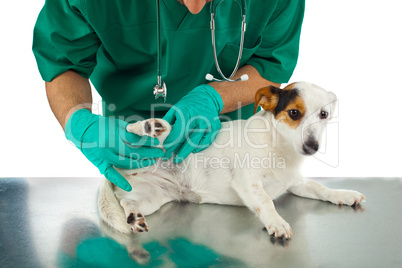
(353, 48)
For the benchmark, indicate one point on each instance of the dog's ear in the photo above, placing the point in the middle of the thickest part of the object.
(267, 98)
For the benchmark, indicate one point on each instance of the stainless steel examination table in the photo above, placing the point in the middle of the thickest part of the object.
(53, 222)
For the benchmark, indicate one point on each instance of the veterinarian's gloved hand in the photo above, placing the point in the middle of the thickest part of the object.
(195, 122)
(106, 143)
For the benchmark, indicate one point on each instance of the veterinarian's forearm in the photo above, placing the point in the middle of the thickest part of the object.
(244, 92)
(67, 93)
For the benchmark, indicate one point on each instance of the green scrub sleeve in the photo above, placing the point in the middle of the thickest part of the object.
(63, 40)
(276, 57)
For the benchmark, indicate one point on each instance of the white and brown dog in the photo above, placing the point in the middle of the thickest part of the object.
(250, 163)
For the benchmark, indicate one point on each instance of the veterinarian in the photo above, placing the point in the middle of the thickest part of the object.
(116, 45)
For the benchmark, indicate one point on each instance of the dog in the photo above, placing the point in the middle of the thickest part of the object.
(250, 163)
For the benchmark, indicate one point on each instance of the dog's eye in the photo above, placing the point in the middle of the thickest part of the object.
(294, 114)
(324, 115)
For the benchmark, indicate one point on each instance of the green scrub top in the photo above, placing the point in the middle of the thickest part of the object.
(114, 44)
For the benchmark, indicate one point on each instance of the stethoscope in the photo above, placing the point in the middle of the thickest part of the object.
(160, 89)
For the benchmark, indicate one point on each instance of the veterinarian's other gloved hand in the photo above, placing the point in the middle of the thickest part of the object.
(195, 121)
(106, 143)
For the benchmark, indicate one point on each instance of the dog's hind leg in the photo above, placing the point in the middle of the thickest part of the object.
(143, 200)
(135, 212)
(135, 219)
(314, 190)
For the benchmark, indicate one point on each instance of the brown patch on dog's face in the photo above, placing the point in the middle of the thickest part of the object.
(292, 113)
(286, 104)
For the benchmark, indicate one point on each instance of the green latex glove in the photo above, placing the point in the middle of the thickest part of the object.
(106, 143)
(195, 122)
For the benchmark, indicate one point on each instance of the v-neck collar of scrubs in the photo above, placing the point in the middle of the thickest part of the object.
(178, 14)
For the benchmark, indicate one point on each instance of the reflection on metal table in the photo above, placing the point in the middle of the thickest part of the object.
(53, 222)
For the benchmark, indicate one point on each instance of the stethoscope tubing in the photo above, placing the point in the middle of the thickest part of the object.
(158, 40)
(160, 89)
(238, 57)
(243, 30)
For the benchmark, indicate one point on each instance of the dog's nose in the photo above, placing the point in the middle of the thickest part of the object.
(310, 147)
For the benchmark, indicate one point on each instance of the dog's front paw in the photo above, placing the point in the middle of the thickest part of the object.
(346, 197)
(137, 223)
(279, 228)
(151, 127)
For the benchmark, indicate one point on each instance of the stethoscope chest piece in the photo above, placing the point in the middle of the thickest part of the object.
(160, 91)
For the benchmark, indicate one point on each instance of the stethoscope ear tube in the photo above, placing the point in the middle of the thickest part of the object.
(210, 77)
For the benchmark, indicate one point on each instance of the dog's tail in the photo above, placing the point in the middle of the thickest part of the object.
(110, 210)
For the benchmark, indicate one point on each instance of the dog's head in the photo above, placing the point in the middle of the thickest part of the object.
(301, 112)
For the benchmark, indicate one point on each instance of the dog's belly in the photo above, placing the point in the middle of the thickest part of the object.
(201, 184)
(214, 186)
(182, 182)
